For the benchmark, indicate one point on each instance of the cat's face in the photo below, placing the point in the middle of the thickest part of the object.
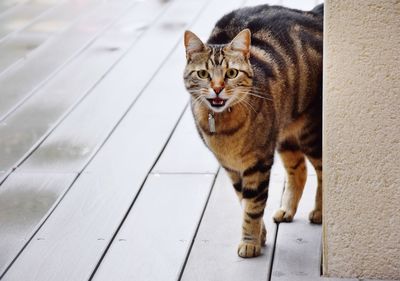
(218, 76)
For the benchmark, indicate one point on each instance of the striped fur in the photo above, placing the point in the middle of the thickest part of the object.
(259, 77)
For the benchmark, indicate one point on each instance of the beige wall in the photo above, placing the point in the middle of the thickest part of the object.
(362, 139)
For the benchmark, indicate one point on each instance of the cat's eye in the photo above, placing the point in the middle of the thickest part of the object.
(231, 73)
(203, 74)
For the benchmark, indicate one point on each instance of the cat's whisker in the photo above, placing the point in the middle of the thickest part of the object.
(254, 92)
(258, 93)
(198, 100)
(245, 103)
(251, 106)
(258, 96)
(240, 104)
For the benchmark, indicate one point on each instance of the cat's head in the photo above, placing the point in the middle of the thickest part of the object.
(218, 76)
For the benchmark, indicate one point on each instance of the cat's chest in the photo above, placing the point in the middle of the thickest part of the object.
(225, 136)
(228, 150)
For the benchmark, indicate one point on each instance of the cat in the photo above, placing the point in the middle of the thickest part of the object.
(256, 87)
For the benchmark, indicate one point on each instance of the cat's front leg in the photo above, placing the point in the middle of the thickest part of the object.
(255, 183)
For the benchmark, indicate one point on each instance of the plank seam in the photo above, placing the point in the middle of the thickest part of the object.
(46, 217)
(64, 64)
(10, 9)
(77, 103)
(34, 20)
(276, 236)
(198, 226)
(40, 224)
(134, 199)
(134, 101)
(31, 53)
(159, 155)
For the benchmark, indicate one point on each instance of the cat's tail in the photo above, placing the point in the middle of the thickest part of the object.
(319, 9)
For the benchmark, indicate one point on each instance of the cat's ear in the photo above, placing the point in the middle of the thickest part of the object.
(242, 42)
(192, 43)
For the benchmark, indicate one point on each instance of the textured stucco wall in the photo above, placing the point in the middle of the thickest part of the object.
(362, 139)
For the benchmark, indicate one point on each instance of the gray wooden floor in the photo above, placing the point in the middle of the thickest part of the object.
(103, 176)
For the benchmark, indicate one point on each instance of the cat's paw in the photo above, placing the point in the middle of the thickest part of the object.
(263, 235)
(249, 250)
(315, 216)
(283, 216)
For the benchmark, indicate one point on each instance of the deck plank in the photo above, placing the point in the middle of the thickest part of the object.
(9, 5)
(89, 215)
(104, 193)
(21, 81)
(176, 158)
(91, 211)
(120, 36)
(77, 232)
(22, 15)
(22, 44)
(214, 253)
(159, 230)
(298, 245)
(24, 201)
(69, 147)
(26, 127)
(185, 152)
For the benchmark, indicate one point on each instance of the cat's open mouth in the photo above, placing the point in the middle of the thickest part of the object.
(217, 102)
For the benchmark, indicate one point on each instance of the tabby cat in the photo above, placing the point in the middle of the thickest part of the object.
(256, 87)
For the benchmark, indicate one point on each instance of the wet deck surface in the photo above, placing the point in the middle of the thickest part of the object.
(103, 176)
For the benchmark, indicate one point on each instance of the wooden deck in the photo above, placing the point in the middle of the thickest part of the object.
(103, 176)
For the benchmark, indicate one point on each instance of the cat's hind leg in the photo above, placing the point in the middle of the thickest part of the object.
(294, 162)
(310, 140)
(316, 214)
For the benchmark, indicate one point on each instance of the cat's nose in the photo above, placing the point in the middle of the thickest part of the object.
(218, 90)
